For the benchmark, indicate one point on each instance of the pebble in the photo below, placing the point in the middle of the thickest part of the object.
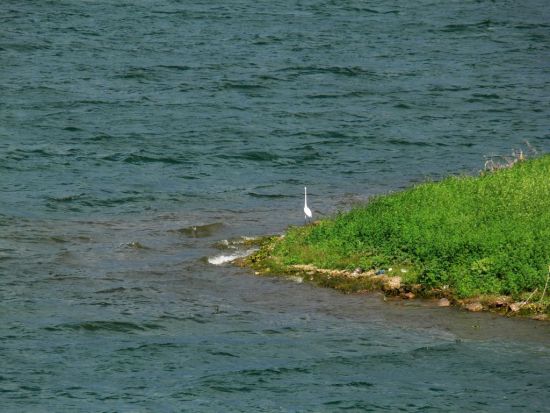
(392, 283)
(515, 307)
(500, 303)
(475, 307)
(443, 302)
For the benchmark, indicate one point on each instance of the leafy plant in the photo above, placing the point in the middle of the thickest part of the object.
(488, 234)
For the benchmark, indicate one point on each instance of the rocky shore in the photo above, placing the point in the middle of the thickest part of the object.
(360, 281)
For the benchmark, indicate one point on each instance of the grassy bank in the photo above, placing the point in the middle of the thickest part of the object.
(470, 236)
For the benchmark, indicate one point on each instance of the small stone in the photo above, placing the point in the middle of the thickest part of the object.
(474, 307)
(408, 296)
(500, 302)
(380, 272)
(515, 307)
(443, 302)
(392, 283)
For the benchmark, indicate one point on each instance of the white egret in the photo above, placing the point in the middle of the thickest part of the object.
(307, 211)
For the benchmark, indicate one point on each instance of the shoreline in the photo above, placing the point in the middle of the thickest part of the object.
(372, 281)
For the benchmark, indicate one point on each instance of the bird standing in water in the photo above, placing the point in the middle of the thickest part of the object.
(307, 211)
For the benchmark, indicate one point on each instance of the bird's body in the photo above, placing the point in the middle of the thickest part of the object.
(307, 211)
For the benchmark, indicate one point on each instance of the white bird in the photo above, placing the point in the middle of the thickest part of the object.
(307, 211)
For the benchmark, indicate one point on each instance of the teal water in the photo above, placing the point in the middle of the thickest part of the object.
(137, 138)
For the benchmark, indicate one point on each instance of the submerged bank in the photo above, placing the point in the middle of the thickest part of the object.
(482, 242)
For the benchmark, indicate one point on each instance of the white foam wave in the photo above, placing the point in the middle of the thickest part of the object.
(225, 258)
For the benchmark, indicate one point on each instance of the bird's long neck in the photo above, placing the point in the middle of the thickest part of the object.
(305, 196)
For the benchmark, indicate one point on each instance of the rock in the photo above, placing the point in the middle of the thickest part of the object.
(515, 307)
(408, 296)
(443, 302)
(500, 302)
(540, 317)
(380, 272)
(392, 283)
(356, 272)
(475, 307)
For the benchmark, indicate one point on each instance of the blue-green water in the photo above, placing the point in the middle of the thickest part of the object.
(125, 125)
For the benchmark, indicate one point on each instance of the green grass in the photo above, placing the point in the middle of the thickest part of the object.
(474, 235)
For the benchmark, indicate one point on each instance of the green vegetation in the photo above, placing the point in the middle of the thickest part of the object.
(485, 235)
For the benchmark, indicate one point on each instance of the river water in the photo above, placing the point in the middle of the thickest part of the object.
(140, 141)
